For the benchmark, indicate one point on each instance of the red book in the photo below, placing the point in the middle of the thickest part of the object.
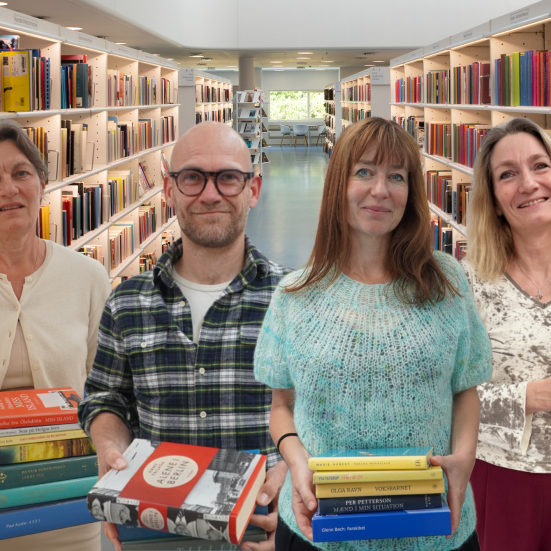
(74, 58)
(34, 407)
(194, 491)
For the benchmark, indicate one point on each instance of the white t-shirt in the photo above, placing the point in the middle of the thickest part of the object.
(200, 298)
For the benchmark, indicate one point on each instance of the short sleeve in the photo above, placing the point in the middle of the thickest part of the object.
(473, 362)
(270, 359)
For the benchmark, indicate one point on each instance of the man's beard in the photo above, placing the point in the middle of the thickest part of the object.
(213, 234)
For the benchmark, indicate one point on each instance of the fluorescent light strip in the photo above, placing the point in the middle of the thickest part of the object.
(523, 27)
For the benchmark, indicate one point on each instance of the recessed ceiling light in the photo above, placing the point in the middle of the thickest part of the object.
(378, 61)
(195, 55)
(156, 54)
(276, 61)
(303, 58)
(3, 3)
(170, 59)
(326, 61)
(231, 66)
(121, 43)
(305, 53)
(369, 65)
(279, 69)
(75, 28)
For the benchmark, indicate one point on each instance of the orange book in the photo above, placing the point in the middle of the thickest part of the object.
(34, 407)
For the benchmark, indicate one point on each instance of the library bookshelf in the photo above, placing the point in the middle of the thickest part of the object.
(249, 116)
(333, 114)
(463, 123)
(203, 97)
(105, 59)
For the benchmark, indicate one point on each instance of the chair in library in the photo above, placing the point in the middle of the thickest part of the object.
(285, 131)
(321, 134)
(300, 130)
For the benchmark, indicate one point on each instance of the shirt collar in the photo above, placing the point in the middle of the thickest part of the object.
(256, 265)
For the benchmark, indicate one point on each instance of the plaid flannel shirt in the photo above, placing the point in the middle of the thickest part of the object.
(150, 373)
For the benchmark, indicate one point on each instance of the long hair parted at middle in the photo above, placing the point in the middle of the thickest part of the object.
(416, 275)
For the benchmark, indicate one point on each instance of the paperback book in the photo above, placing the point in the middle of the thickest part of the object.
(349, 505)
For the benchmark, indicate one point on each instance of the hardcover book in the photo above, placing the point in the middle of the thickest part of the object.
(41, 451)
(41, 437)
(371, 459)
(348, 477)
(206, 493)
(395, 524)
(349, 505)
(32, 407)
(403, 487)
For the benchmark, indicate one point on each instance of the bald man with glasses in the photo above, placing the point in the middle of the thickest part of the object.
(176, 344)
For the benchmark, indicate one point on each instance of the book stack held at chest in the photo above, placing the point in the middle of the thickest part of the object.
(378, 493)
(47, 463)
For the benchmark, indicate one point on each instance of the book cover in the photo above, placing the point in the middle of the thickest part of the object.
(41, 451)
(16, 80)
(196, 491)
(337, 477)
(51, 406)
(41, 437)
(371, 459)
(349, 505)
(52, 470)
(9, 42)
(33, 519)
(49, 491)
(395, 524)
(393, 488)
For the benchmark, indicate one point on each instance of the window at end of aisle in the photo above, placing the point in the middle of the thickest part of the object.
(296, 105)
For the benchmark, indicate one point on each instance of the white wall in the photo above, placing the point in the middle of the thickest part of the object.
(249, 24)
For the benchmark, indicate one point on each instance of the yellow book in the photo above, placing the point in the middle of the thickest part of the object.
(351, 477)
(372, 459)
(41, 437)
(16, 81)
(406, 487)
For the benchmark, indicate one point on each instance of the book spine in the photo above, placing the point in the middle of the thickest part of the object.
(45, 418)
(367, 463)
(50, 491)
(56, 449)
(351, 477)
(33, 519)
(346, 506)
(41, 437)
(40, 472)
(396, 524)
(408, 487)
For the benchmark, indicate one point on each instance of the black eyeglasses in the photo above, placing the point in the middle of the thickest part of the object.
(193, 181)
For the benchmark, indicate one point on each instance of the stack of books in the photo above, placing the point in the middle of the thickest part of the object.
(47, 464)
(378, 493)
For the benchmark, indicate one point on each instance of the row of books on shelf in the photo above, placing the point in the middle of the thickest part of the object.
(442, 239)
(330, 108)
(414, 125)
(471, 84)
(450, 200)
(215, 115)
(458, 142)
(409, 89)
(378, 493)
(77, 82)
(329, 121)
(250, 128)
(358, 92)
(48, 465)
(523, 78)
(121, 243)
(329, 94)
(210, 94)
(121, 93)
(354, 115)
(39, 137)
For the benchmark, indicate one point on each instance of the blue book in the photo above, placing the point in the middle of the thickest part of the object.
(32, 519)
(394, 524)
(523, 79)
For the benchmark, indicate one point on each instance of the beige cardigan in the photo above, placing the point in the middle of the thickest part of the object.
(59, 313)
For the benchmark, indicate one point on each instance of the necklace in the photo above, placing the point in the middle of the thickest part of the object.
(539, 296)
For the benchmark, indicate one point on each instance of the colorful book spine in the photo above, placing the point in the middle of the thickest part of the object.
(406, 487)
(346, 477)
(57, 449)
(41, 472)
(395, 524)
(50, 491)
(41, 437)
(16, 431)
(347, 506)
(32, 519)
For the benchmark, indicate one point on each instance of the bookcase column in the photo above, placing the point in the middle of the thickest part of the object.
(246, 73)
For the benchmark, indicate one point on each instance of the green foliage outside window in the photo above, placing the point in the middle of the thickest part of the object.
(294, 105)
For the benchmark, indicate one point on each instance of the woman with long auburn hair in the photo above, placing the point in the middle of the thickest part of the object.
(509, 268)
(377, 342)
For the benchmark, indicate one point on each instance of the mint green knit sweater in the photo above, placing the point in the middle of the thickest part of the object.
(371, 372)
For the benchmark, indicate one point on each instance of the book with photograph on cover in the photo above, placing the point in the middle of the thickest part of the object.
(205, 493)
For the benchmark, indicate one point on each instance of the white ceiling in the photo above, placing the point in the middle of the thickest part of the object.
(71, 13)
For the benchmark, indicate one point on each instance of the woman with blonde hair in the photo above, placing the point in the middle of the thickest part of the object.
(51, 300)
(377, 342)
(509, 268)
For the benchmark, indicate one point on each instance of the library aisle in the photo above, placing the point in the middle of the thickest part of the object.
(283, 224)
